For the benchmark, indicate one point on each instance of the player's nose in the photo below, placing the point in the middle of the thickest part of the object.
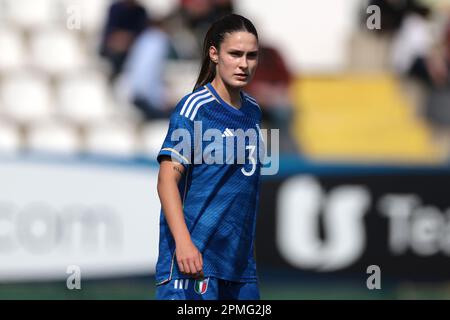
(243, 63)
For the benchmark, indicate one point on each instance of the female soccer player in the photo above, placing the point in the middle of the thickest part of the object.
(208, 210)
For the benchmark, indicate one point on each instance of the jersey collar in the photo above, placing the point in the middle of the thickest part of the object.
(225, 104)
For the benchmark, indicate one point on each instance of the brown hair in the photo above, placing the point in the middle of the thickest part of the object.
(214, 37)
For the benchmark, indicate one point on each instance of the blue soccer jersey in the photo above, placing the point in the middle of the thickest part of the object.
(220, 197)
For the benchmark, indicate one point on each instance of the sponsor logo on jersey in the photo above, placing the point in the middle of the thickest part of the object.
(227, 133)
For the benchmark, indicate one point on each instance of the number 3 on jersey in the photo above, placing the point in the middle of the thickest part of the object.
(252, 161)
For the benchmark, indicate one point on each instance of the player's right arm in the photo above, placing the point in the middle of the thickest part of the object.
(188, 257)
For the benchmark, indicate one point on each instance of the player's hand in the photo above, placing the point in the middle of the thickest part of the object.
(189, 259)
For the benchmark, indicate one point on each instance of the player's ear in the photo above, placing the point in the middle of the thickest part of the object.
(214, 54)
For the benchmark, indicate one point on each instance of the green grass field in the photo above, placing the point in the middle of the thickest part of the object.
(143, 289)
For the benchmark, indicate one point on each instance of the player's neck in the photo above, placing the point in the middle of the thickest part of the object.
(229, 95)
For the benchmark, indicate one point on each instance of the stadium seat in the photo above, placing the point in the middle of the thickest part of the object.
(9, 138)
(84, 98)
(152, 137)
(26, 97)
(53, 136)
(180, 77)
(159, 8)
(368, 52)
(30, 14)
(360, 118)
(56, 50)
(12, 55)
(26, 14)
(113, 139)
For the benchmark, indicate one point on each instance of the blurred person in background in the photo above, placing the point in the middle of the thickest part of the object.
(370, 48)
(188, 23)
(413, 49)
(438, 98)
(125, 20)
(447, 51)
(222, 8)
(143, 72)
(392, 12)
(270, 86)
(419, 56)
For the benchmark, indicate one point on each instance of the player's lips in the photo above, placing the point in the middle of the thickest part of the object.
(241, 75)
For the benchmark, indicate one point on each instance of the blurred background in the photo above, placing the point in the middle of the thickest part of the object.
(360, 91)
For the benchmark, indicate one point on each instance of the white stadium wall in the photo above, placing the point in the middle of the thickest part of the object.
(312, 35)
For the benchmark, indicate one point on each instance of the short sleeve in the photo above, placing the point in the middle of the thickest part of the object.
(178, 143)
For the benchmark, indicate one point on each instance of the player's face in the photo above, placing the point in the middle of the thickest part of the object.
(237, 58)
